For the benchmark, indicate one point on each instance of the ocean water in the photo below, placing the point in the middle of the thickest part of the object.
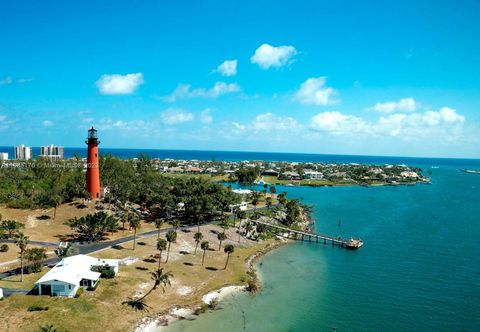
(419, 269)
(243, 155)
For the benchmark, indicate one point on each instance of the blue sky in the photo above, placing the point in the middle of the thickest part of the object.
(345, 77)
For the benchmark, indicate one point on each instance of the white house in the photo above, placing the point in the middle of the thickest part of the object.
(71, 273)
(313, 175)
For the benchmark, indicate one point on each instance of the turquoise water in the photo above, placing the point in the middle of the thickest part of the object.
(418, 270)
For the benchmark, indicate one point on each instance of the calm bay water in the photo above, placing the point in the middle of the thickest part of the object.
(418, 270)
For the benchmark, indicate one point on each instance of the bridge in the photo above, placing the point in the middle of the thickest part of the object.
(310, 236)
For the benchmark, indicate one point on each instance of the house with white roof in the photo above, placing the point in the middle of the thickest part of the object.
(71, 273)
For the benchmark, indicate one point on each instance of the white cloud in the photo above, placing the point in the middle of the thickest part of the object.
(228, 68)
(206, 116)
(445, 124)
(270, 122)
(119, 84)
(174, 116)
(267, 56)
(185, 91)
(403, 105)
(238, 126)
(7, 80)
(314, 92)
(47, 123)
(337, 123)
(87, 120)
(25, 80)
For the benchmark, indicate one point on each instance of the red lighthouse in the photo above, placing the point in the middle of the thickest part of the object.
(93, 172)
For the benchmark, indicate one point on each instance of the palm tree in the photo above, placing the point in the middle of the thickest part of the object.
(126, 216)
(282, 198)
(159, 278)
(205, 246)
(236, 211)
(255, 201)
(161, 246)
(248, 228)
(241, 215)
(269, 202)
(21, 241)
(175, 224)
(158, 225)
(134, 223)
(198, 237)
(56, 200)
(221, 237)
(171, 237)
(229, 249)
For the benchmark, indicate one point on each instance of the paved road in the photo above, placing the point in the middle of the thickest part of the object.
(36, 243)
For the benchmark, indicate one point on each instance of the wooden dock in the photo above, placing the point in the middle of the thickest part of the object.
(305, 236)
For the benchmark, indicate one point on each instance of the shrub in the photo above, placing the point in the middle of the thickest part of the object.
(79, 292)
(4, 248)
(105, 271)
(213, 303)
(253, 285)
(37, 308)
(201, 310)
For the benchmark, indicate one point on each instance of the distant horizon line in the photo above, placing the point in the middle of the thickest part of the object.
(243, 151)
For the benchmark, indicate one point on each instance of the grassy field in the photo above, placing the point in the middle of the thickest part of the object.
(102, 309)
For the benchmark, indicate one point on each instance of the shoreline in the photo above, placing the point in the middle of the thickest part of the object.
(161, 321)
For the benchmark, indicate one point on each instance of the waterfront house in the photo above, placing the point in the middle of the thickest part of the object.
(312, 175)
(291, 175)
(270, 172)
(73, 273)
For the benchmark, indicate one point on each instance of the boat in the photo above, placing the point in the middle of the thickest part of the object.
(471, 171)
(354, 243)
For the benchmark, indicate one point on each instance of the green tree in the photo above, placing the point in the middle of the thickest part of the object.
(36, 256)
(158, 226)
(229, 249)
(221, 237)
(255, 199)
(111, 224)
(63, 252)
(205, 246)
(171, 237)
(268, 202)
(161, 247)
(21, 241)
(135, 224)
(236, 211)
(11, 227)
(241, 215)
(292, 211)
(175, 224)
(198, 236)
(91, 227)
(282, 198)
